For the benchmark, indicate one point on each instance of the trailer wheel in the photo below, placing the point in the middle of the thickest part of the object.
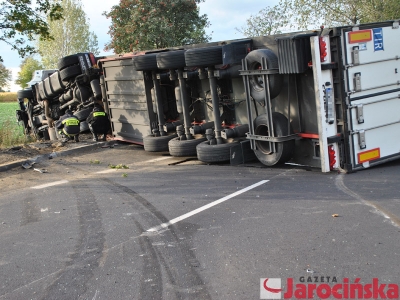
(70, 72)
(157, 143)
(215, 153)
(171, 60)
(184, 148)
(21, 94)
(256, 81)
(83, 114)
(67, 61)
(204, 57)
(147, 62)
(284, 150)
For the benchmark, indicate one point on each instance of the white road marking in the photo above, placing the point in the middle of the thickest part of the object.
(49, 184)
(107, 171)
(207, 206)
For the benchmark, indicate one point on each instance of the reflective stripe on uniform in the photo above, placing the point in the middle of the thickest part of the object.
(99, 114)
(71, 122)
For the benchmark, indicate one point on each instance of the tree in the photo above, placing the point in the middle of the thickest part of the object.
(144, 24)
(270, 20)
(72, 35)
(28, 66)
(21, 20)
(5, 76)
(313, 13)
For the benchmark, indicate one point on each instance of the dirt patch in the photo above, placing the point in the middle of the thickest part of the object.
(39, 148)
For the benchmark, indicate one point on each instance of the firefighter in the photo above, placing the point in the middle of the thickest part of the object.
(68, 126)
(98, 122)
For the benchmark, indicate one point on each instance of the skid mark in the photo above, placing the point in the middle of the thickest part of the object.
(395, 220)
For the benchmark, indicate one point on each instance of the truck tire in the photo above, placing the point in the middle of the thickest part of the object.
(215, 153)
(67, 61)
(184, 148)
(147, 62)
(83, 114)
(256, 81)
(70, 72)
(284, 150)
(157, 143)
(171, 60)
(21, 94)
(204, 57)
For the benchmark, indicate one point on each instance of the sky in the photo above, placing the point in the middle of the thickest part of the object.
(224, 16)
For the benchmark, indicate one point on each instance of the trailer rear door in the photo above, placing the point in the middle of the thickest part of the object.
(372, 72)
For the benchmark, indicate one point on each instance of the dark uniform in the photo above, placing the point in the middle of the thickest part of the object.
(68, 125)
(98, 122)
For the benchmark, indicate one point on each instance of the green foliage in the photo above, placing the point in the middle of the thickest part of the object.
(95, 162)
(11, 133)
(120, 166)
(314, 13)
(72, 35)
(22, 21)
(270, 20)
(5, 76)
(28, 66)
(144, 24)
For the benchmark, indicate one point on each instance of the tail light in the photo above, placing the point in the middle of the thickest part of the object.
(332, 157)
(323, 51)
(92, 59)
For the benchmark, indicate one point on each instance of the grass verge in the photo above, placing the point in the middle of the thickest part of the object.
(11, 133)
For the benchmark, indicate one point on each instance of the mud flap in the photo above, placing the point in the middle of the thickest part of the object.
(242, 153)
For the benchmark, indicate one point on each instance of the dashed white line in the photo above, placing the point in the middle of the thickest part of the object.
(207, 206)
(49, 184)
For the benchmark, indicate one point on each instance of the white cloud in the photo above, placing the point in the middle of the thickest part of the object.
(223, 15)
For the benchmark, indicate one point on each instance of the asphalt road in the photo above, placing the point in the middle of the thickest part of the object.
(171, 228)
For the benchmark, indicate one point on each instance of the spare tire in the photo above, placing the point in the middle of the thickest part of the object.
(171, 60)
(283, 150)
(204, 57)
(70, 72)
(256, 81)
(147, 62)
(67, 61)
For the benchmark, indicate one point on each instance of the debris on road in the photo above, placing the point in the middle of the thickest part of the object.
(335, 215)
(28, 164)
(40, 170)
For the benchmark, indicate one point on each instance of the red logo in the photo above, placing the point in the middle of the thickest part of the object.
(271, 290)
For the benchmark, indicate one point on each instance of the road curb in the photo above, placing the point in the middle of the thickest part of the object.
(36, 159)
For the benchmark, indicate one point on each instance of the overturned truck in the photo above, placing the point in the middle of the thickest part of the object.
(326, 98)
(75, 85)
